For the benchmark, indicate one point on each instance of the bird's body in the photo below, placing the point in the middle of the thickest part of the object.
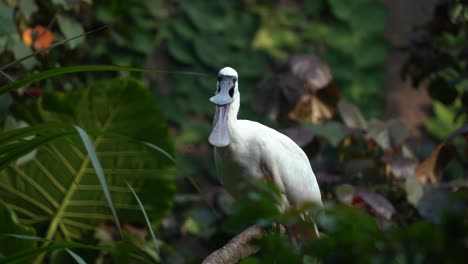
(247, 152)
(257, 153)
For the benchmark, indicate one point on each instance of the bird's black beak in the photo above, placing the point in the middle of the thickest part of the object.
(225, 91)
(219, 136)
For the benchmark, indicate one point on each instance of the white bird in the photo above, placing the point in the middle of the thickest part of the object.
(247, 151)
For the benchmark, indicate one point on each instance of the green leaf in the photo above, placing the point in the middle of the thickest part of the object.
(6, 20)
(12, 233)
(314, 8)
(203, 15)
(59, 189)
(77, 258)
(212, 51)
(28, 254)
(201, 223)
(333, 131)
(148, 222)
(28, 7)
(371, 19)
(346, 10)
(414, 190)
(370, 52)
(83, 68)
(183, 29)
(99, 173)
(5, 101)
(71, 28)
(66, 4)
(444, 122)
(20, 50)
(180, 51)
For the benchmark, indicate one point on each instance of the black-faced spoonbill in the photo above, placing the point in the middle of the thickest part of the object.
(247, 151)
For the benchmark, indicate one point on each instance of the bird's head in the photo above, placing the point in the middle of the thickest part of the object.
(226, 93)
(225, 87)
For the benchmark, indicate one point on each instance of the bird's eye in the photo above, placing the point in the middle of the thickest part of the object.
(231, 92)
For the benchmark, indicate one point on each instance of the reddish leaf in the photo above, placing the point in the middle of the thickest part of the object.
(376, 202)
(357, 200)
(356, 196)
(34, 91)
(38, 37)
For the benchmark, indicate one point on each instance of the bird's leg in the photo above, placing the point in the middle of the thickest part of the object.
(277, 227)
(317, 233)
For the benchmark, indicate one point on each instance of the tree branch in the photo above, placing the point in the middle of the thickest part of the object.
(239, 247)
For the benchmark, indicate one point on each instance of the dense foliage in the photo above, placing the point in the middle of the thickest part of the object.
(86, 158)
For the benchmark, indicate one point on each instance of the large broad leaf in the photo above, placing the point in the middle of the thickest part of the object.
(9, 225)
(58, 190)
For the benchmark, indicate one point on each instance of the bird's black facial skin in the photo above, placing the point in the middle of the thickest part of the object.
(227, 82)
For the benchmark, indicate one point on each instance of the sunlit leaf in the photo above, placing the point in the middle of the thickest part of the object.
(414, 190)
(444, 122)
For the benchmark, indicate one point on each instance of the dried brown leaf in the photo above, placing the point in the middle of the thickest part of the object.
(310, 108)
(428, 170)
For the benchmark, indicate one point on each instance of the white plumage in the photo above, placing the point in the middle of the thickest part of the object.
(247, 151)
